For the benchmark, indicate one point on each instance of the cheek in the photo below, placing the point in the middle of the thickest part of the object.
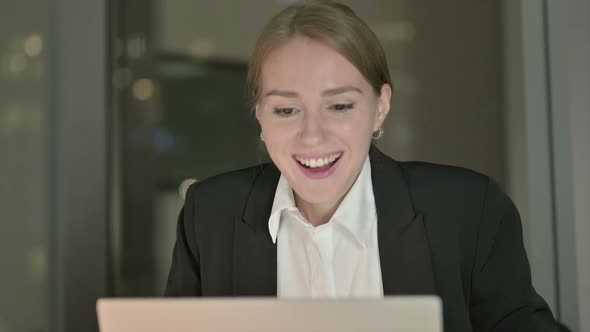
(357, 136)
(358, 128)
(275, 133)
(277, 140)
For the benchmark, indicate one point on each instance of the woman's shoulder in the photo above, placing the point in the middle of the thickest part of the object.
(442, 189)
(448, 184)
(453, 188)
(431, 175)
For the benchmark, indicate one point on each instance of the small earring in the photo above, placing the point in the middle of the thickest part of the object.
(377, 134)
(261, 137)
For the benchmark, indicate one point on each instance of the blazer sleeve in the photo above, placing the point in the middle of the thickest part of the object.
(502, 295)
(184, 278)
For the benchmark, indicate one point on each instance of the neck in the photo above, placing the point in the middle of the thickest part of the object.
(316, 214)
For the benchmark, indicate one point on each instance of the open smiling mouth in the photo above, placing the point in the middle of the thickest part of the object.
(318, 167)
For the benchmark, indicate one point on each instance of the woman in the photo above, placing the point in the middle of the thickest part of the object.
(332, 216)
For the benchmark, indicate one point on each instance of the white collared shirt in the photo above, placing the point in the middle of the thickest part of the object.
(336, 259)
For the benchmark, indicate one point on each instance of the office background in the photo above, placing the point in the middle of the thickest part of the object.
(107, 108)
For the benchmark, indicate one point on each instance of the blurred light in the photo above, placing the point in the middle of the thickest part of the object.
(143, 89)
(18, 63)
(183, 187)
(14, 63)
(33, 45)
(136, 46)
(202, 48)
(3, 326)
(122, 77)
(17, 117)
(37, 265)
(164, 141)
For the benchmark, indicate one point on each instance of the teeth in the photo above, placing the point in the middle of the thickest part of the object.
(320, 162)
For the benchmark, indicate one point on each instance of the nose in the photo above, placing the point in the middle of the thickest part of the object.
(313, 129)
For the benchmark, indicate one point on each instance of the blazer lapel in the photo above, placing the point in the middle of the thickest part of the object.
(404, 251)
(255, 255)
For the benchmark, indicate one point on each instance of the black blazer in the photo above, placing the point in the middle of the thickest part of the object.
(441, 230)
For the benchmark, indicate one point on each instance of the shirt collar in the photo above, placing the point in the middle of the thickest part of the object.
(283, 200)
(355, 213)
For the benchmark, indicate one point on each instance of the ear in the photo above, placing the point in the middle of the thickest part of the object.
(256, 113)
(383, 105)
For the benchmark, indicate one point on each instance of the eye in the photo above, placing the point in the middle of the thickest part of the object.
(285, 111)
(341, 107)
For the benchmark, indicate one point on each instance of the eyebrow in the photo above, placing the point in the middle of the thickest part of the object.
(342, 89)
(325, 93)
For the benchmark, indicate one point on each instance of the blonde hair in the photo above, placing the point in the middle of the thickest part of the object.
(329, 22)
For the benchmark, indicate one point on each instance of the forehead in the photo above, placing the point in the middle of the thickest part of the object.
(306, 64)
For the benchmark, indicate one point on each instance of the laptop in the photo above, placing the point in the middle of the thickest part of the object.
(391, 314)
